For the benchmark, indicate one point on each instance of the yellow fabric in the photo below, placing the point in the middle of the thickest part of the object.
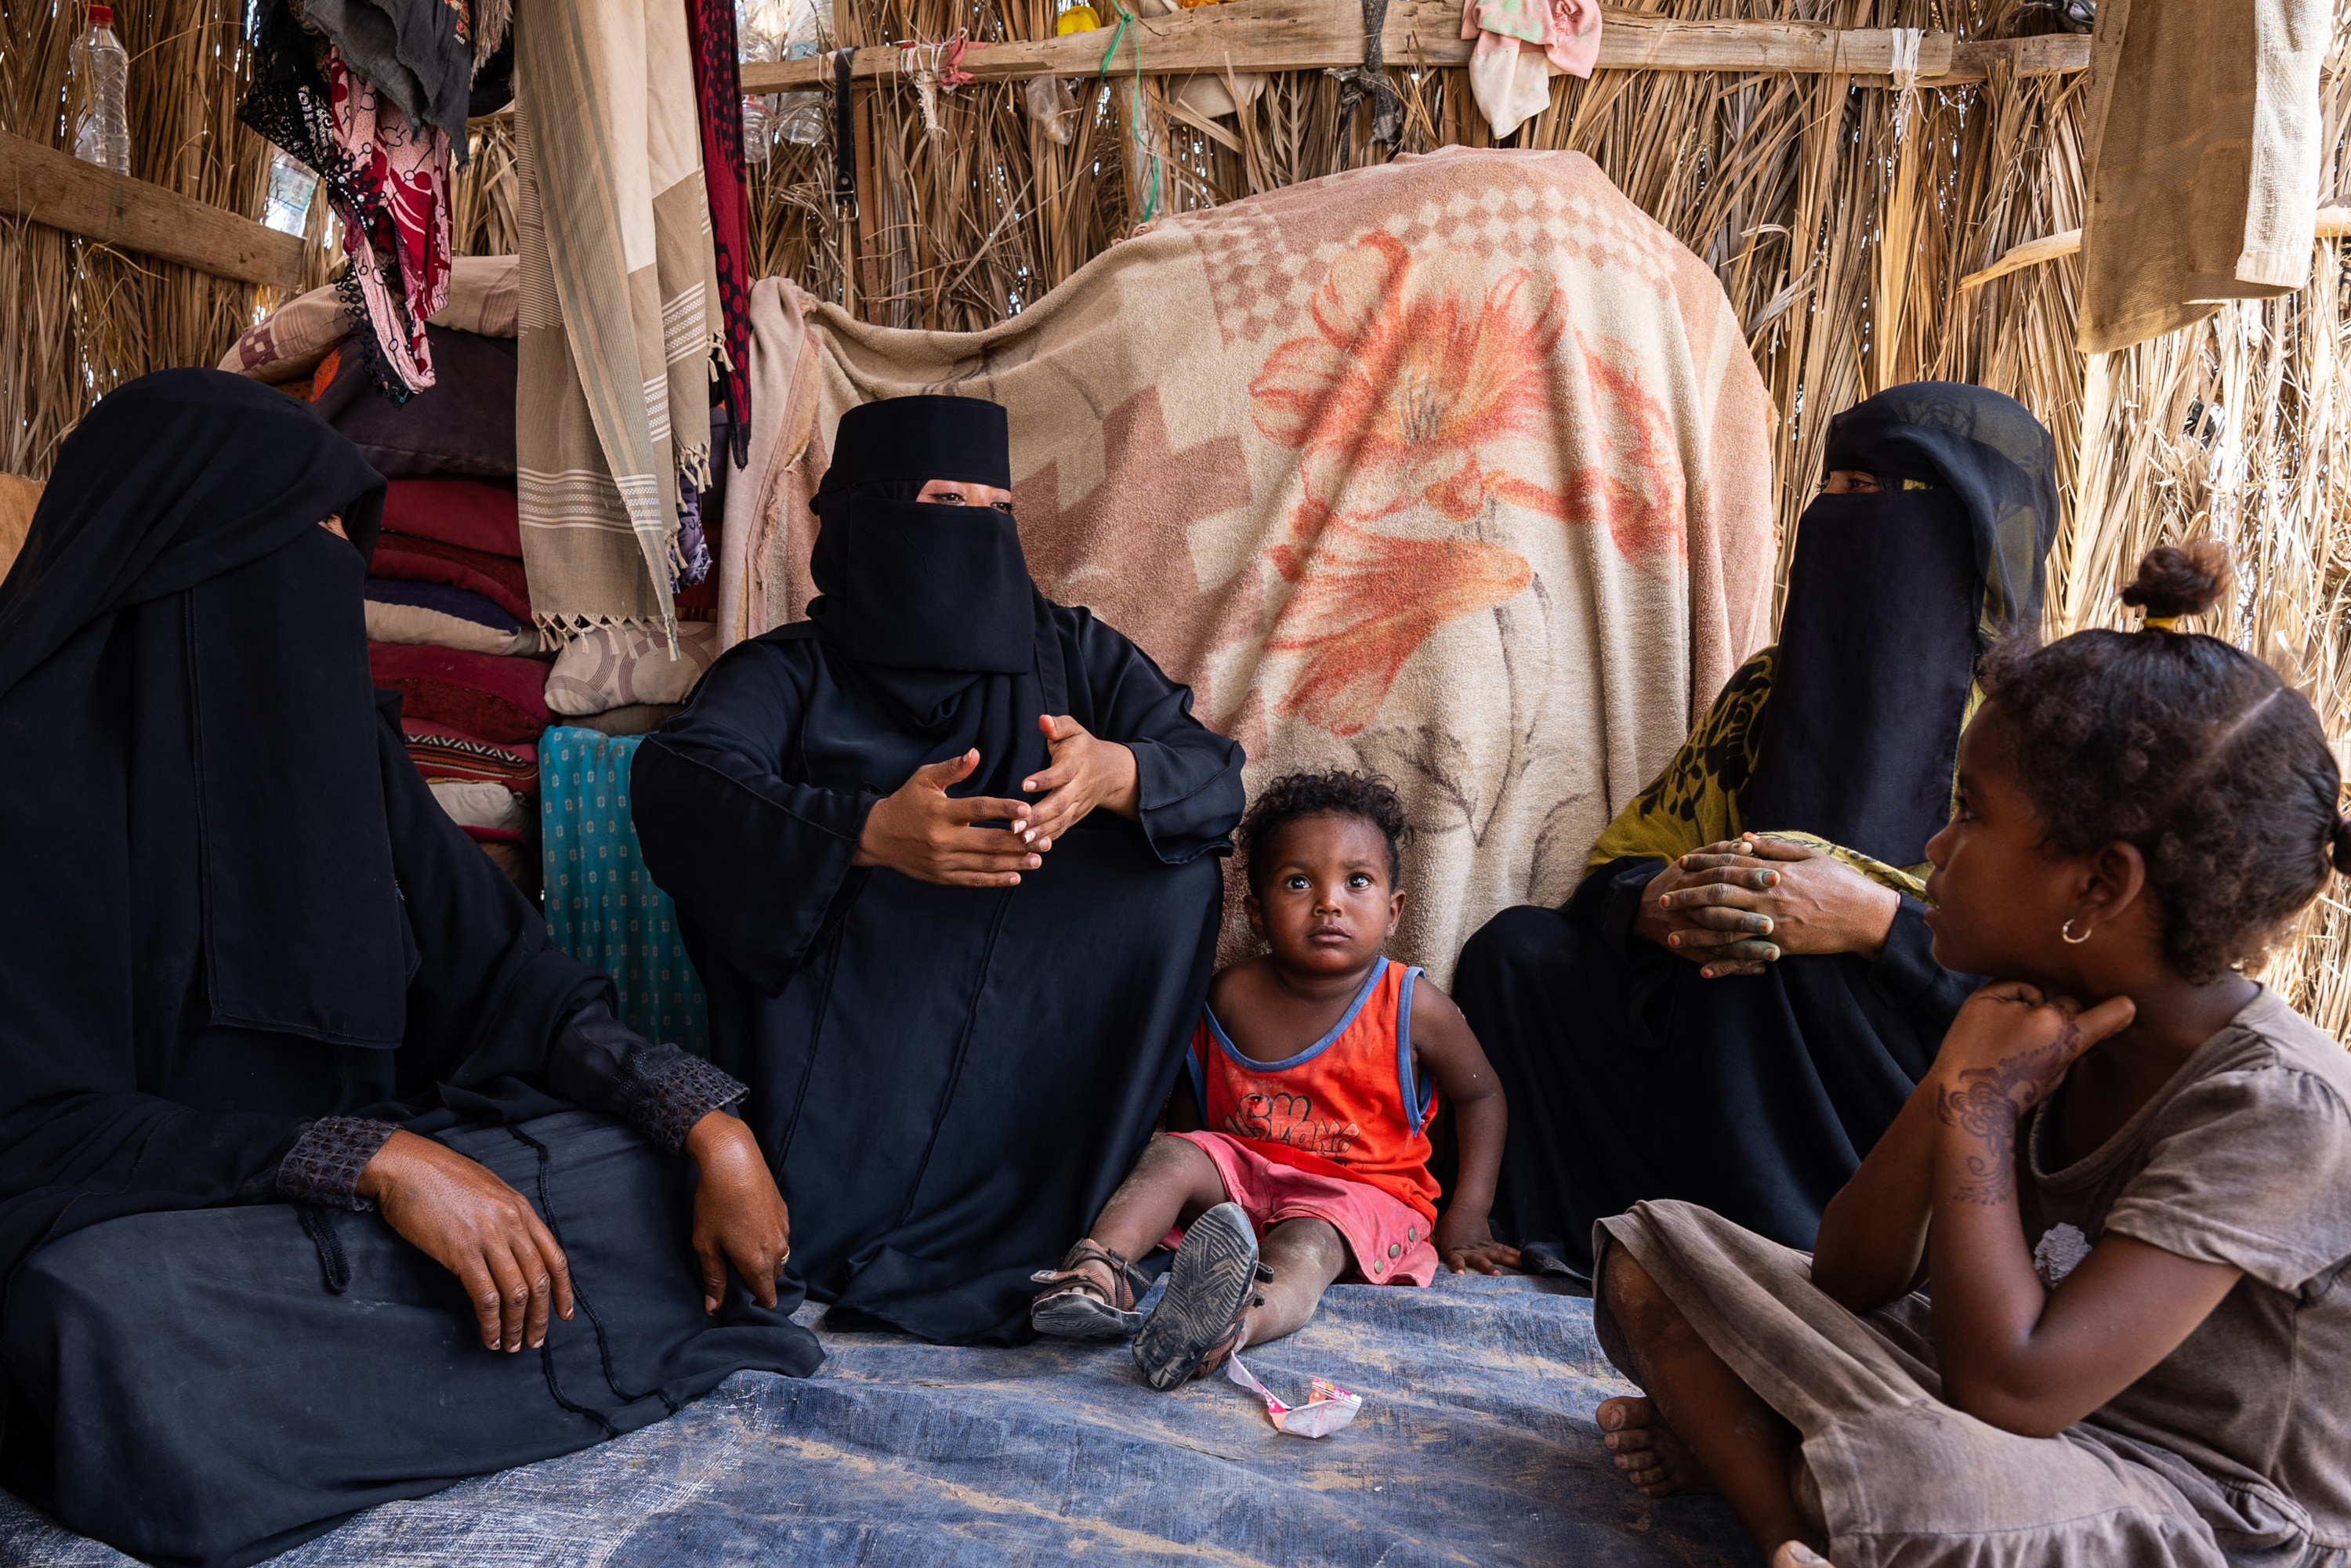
(18, 496)
(1695, 801)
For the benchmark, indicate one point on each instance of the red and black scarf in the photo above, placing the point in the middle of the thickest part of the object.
(718, 93)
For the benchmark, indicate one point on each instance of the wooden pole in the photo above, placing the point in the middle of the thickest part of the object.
(62, 191)
(1313, 35)
(2334, 222)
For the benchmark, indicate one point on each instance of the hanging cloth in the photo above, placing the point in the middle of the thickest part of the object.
(612, 394)
(2206, 141)
(718, 92)
(387, 178)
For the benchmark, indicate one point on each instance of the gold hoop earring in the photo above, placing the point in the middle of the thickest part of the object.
(2066, 931)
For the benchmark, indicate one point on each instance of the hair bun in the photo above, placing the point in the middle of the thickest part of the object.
(2181, 579)
(2342, 845)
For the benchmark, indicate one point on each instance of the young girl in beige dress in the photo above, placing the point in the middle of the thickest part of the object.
(2125, 1182)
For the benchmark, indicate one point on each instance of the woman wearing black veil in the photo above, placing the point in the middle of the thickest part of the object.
(257, 984)
(944, 856)
(1741, 993)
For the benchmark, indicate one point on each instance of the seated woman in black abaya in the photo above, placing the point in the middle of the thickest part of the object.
(1741, 993)
(257, 983)
(944, 856)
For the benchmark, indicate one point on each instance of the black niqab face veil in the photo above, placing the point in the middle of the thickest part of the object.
(933, 604)
(1892, 597)
(184, 652)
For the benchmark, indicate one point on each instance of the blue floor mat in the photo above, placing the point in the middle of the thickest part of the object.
(1475, 1446)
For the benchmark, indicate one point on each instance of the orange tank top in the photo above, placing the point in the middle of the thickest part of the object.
(1348, 1105)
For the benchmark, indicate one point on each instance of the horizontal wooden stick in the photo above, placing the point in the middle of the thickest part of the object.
(62, 191)
(1313, 35)
(2334, 222)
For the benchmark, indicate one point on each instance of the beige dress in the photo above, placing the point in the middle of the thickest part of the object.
(2235, 1449)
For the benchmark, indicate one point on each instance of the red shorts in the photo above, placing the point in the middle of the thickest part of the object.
(1387, 1236)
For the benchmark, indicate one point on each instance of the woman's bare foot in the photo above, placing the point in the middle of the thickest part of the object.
(1796, 1554)
(1652, 1458)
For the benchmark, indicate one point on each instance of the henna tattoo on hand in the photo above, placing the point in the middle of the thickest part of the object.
(1985, 1106)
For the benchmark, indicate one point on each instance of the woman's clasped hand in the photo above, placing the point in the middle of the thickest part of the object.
(1734, 906)
(920, 831)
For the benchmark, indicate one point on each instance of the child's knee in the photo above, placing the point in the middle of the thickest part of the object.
(1181, 1163)
(1644, 1314)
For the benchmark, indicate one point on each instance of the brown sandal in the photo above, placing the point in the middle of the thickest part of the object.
(1072, 1305)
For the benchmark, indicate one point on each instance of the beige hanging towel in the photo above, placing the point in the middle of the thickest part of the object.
(2204, 128)
(619, 300)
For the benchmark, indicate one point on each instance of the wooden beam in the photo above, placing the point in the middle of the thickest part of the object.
(2334, 222)
(62, 191)
(1313, 35)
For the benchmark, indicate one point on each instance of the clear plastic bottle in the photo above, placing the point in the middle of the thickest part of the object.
(800, 115)
(101, 86)
(803, 118)
(759, 27)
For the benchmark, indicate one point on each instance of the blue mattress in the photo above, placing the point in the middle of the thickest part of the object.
(1475, 1446)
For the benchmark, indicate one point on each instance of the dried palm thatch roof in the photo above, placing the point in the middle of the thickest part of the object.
(1840, 216)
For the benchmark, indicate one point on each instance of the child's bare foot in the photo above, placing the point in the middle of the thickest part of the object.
(1651, 1456)
(1796, 1554)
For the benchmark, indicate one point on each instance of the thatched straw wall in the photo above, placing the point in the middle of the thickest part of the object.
(78, 318)
(1839, 221)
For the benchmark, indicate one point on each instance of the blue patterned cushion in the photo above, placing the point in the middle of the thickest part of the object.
(601, 904)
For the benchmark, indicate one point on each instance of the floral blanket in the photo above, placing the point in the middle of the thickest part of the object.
(1455, 468)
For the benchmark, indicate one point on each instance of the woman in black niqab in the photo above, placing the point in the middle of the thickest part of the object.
(944, 856)
(1752, 1063)
(255, 978)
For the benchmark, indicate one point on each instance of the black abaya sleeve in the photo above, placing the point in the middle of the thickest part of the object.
(752, 860)
(1189, 777)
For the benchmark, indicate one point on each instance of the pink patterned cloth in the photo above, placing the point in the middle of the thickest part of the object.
(1519, 42)
(399, 243)
(1566, 31)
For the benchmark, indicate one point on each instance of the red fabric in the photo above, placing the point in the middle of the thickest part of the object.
(491, 696)
(507, 836)
(1389, 1238)
(398, 237)
(471, 514)
(422, 728)
(700, 602)
(718, 97)
(1340, 1106)
(444, 751)
(405, 558)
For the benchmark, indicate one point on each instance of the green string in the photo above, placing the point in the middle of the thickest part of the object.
(1142, 140)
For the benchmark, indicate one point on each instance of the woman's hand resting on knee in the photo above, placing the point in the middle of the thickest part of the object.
(1736, 906)
(461, 1216)
(738, 1215)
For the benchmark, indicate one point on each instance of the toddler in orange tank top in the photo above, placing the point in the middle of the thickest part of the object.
(1315, 1071)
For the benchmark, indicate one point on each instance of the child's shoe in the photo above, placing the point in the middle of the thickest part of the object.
(1210, 1289)
(1072, 1304)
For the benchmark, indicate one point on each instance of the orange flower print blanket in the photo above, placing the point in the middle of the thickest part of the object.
(1455, 468)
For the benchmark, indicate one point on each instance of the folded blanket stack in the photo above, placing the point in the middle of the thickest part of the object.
(448, 605)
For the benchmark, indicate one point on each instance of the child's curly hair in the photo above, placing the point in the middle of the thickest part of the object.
(2197, 753)
(1338, 790)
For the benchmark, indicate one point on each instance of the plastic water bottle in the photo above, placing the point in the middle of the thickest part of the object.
(800, 115)
(101, 81)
